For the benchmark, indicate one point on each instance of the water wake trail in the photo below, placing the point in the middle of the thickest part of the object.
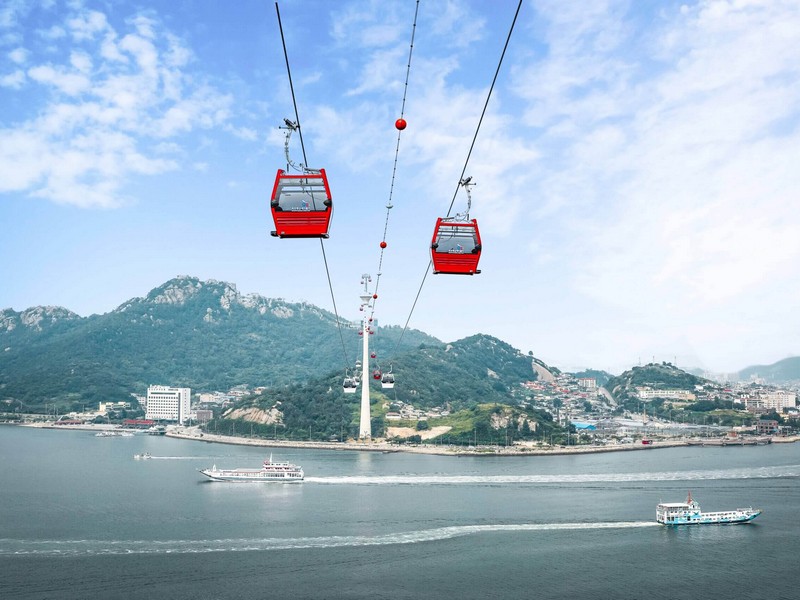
(180, 458)
(11, 547)
(742, 473)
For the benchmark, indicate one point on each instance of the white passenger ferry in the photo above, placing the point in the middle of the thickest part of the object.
(271, 471)
(689, 513)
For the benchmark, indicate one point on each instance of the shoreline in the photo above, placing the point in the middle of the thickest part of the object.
(382, 446)
(386, 447)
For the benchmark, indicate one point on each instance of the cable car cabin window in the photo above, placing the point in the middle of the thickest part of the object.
(301, 205)
(456, 247)
(456, 240)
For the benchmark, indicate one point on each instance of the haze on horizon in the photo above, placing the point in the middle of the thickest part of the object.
(636, 173)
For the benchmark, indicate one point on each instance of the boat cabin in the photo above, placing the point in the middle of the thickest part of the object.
(301, 205)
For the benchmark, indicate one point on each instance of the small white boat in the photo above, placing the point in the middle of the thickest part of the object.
(144, 456)
(270, 471)
(114, 434)
(689, 513)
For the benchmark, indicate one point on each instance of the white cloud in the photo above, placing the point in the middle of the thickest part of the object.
(53, 33)
(14, 80)
(117, 105)
(109, 49)
(382, 72)
(454, 23)
(87, 25)
(672, 159)
(243, 133)
(368, 24)
(18, 55)
(81, 61)
(71, 84)
(10, 12)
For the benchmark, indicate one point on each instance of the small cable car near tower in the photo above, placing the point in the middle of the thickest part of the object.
(301, 204)
(456, 242)
(387, 381)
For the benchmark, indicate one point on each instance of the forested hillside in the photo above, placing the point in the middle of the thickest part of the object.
(187, 332)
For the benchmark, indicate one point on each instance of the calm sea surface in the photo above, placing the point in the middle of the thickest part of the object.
(79, 518)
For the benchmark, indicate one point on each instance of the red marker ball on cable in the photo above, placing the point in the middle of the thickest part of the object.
(400, 124)
(383, 244)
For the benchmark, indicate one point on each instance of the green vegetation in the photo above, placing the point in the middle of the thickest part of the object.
(663, 376)
(209, 339)
(463, 374)
(318, 410)
(601, 377)
(492, 424)
(473, 376)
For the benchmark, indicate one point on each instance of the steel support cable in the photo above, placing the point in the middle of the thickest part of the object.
(466, 162)
(305, 162)
(485, 106)
(396, 154)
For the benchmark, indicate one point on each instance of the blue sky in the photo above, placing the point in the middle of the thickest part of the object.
(637, 178)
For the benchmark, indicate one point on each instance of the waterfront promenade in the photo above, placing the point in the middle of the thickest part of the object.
(381, 445)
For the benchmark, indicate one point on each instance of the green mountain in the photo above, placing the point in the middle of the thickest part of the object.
(657, 376)
(601, 377)
(463, 374)
(186, 332)
(471, 378)
(783, 371)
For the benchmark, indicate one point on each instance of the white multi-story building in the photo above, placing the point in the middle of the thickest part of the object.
(649, 394)
(107, 406)
(777, 400)
(166, 403)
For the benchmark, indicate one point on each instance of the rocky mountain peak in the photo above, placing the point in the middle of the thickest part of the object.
(35, 317)
(175, 291)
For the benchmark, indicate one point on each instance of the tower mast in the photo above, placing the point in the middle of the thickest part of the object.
(365, 423)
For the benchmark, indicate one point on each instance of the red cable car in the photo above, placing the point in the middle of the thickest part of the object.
(456, 247)
(456, 242)
(301, 205)
(376, 374)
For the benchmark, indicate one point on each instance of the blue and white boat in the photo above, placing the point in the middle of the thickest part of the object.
(689, 513)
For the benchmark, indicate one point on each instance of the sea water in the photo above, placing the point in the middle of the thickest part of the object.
(80, 518)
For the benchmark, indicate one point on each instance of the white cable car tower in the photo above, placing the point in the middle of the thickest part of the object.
(365, 423)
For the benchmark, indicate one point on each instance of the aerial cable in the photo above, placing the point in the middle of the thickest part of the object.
(296, 125)
(462, 180)
(400, 125)
(485, 106)
(291, 86)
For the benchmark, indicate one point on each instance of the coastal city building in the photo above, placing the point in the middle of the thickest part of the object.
(766, 400)
(166, 403)
(203, 415)
(105, 407)
(649, 394)
(778, 400)
(766, 427)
